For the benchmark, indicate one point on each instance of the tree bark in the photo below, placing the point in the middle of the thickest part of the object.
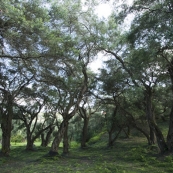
(30, 145)
(149, 113)
(55, 144)
(154, 129)
(127, 133)
(110, 143)
(160, 139)
(128, 130)
(30, 142)
(152, 135)
(46, 138)
(143, 132)
(6, 134)
(6, 126)
(170, 131)
(112, 140)
(43, 140)
(84, 132)
(65, 141)
(84, 86)
(113, 126)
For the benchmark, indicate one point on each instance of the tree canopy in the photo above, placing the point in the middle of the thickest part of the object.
(46, 48)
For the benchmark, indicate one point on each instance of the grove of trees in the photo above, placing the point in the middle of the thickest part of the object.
(49, 91)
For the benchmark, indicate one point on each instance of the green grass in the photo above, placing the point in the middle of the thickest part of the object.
(127, 156)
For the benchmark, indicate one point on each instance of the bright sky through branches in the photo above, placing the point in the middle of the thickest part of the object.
(104, 10)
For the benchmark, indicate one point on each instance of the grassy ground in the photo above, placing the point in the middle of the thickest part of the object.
(127, 156)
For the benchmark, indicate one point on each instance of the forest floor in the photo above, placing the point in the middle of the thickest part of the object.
(131, 155)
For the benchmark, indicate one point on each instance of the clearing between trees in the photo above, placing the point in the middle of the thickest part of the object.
(131, 155)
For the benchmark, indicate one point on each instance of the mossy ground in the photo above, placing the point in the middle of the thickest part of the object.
(131, 155)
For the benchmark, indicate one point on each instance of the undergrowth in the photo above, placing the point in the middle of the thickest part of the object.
(127, 156)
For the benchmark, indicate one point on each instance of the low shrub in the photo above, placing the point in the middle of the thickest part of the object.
(17, 138)
(96, 138)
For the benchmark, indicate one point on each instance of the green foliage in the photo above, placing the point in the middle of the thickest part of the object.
(138, 154)
(74, 144)
(169, 159)
(17, 138)
(49, 49)
(96, 138)
(128, 156)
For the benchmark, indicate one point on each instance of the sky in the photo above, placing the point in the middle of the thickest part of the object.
(103, 11)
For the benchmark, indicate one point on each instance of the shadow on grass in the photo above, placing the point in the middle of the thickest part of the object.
(128, 155)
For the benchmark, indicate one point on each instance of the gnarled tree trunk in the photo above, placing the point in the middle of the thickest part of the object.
(65, 140)
(45, 138)
(55, 144)
(170, 131)
(30, 142)
(112, 140)
(160, 139)
(30, 145)
(84, 132)
(154, 129)
(6, 126)
(149, 113)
